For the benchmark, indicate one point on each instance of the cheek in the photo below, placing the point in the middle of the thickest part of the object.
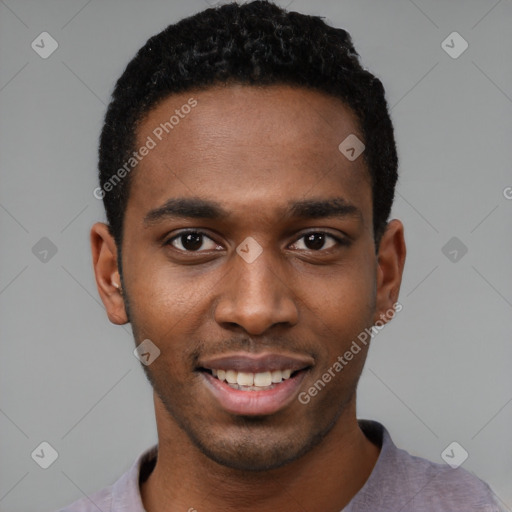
(341, 310)
(169, 306)
(346, 297)
(163, 295)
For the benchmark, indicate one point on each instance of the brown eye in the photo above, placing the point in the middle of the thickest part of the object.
(190, 241)
(316, 240)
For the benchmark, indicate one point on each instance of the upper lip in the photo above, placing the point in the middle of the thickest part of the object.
(256, 363)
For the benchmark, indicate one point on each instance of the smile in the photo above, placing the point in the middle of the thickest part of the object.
(254, 384)
(247, 381)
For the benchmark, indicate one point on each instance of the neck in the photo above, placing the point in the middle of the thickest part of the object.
(326, 478)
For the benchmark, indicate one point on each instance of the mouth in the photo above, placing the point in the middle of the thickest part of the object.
(245, 384)
(248, 381)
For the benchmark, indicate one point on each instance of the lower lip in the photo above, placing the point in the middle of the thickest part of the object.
(267, 401)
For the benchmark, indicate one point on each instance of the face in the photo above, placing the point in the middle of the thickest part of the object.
(248, 254)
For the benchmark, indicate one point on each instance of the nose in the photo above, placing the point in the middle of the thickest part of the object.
(255, 296)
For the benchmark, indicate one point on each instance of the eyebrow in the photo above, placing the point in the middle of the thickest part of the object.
(198, 208)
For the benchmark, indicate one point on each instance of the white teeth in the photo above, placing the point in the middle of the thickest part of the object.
(231, 376)
(245, 379)
(262, 379)
(277, 376)
(252, 380)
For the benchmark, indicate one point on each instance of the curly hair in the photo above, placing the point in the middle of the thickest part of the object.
(256, 43)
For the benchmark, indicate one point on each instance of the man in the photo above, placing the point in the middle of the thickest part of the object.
(247, 168)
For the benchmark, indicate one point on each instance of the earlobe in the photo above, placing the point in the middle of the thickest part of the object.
(390, 266)
(104, 259)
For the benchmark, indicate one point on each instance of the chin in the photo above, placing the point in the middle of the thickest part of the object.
(249, 448)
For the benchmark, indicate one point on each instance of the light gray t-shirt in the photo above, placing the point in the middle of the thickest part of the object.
(399, 482)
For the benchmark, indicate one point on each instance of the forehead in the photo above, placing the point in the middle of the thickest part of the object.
(241, 142)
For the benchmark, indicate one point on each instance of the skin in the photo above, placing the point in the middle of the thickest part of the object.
(253, 150)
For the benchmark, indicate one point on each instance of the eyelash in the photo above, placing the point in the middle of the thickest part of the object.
(341, 242)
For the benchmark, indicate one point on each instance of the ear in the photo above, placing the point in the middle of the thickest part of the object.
(108, 281)
(390, 266)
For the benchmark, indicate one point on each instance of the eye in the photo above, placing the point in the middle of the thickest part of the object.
(315, 240)
(190, 241)
(193, 241)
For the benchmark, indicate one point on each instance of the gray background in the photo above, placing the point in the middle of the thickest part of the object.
(440, 372)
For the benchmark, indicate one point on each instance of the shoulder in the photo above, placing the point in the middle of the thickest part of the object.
(442, 487)
(100, 500)
(401, 481)
(124, 494)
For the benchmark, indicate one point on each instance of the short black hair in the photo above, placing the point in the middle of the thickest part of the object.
(256, 43)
